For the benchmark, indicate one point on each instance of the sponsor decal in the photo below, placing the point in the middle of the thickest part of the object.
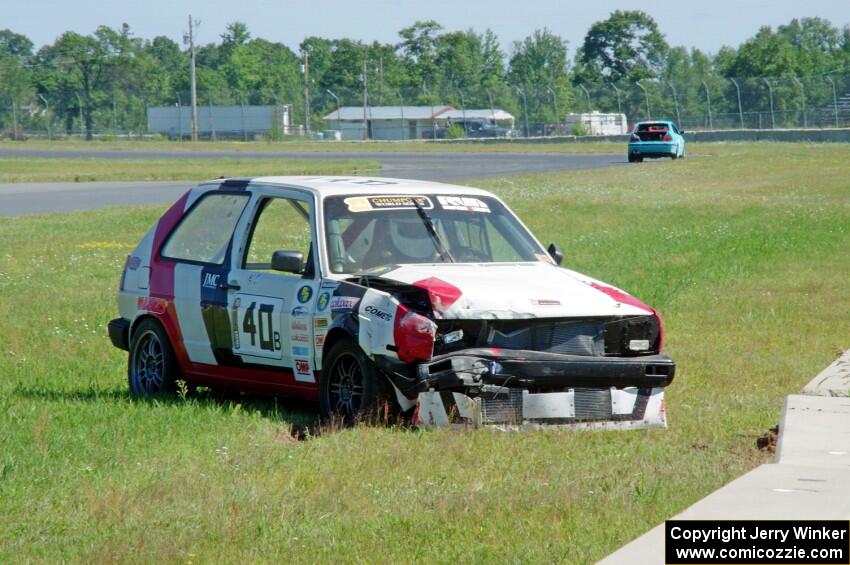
(152, 305)
(369, 203)
(302, 351)
(298, 312)
(466, 203)
(302, 367)
(378, 313)
(343, 302)
(305, 293)
(323, 301)
(211, 280)
(301, 338)
(258, 328)
(320, 323)
(134, 262)
(253, 278)
(299, 326)
(545, 302)
(320, 341)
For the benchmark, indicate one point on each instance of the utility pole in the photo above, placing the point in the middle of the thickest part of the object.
(192, 25)
(306, 68)
(47, 113)
(14, 120)
(80, 107)
(365, 102)
(381, 83)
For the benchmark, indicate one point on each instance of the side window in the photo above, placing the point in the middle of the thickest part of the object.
(204, 233)
(283, 225)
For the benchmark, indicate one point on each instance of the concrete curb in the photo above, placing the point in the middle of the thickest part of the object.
(815, 431)
(808, 481)
(832, 381)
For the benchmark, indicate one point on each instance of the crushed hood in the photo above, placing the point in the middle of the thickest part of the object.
(512, 290)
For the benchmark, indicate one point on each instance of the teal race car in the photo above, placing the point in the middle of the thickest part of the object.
(651, 140)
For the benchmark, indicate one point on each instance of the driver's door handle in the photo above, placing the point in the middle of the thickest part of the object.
(230, 286)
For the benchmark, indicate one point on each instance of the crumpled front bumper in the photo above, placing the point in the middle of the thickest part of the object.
(520, 389)
(596, 409)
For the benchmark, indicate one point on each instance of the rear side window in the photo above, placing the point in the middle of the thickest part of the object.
(204, 233)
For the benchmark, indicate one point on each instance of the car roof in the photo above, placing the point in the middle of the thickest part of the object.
(324, 186)
(650, 122)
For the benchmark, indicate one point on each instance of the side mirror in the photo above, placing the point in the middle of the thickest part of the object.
(288, 261)
(681, 131)
(555, 253)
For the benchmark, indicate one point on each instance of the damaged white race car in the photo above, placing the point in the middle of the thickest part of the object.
(350, 291)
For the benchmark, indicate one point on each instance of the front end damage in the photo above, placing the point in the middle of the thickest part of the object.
(519, 389)
(518, 356)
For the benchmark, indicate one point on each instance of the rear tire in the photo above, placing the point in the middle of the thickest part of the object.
(152, 367)
(350, 389)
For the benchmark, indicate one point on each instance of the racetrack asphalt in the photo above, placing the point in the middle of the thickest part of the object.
(33, 198)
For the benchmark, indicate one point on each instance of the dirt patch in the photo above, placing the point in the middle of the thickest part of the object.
(767, 441)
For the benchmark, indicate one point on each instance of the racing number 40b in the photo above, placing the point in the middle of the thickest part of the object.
(263, 325)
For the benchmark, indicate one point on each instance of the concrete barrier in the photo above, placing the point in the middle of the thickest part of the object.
(769, 492)
(808, 481)
(815, 432)
(832, 381)
(835, 135)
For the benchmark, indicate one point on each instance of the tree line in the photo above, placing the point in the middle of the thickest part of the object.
(105, 80)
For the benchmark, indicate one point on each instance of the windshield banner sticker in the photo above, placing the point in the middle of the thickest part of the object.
(465, 203)
(369, 203)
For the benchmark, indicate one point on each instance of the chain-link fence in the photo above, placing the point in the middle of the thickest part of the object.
(382, 111)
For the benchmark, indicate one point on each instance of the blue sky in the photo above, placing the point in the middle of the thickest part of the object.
(706, 25)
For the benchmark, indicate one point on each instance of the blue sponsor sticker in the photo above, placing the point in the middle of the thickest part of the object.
(305, 293)
(322, 303)
(302, 351)
(299, 312)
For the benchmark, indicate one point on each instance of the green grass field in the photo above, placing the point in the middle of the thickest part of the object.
(744, 249)
(42, 169)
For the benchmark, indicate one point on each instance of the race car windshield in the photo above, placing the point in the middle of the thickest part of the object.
(364, 232)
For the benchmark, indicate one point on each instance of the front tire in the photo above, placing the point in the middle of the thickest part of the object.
(152, 368)
(350, 386)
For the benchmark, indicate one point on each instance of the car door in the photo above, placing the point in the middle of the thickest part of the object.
(270, 311)
(193, 264)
